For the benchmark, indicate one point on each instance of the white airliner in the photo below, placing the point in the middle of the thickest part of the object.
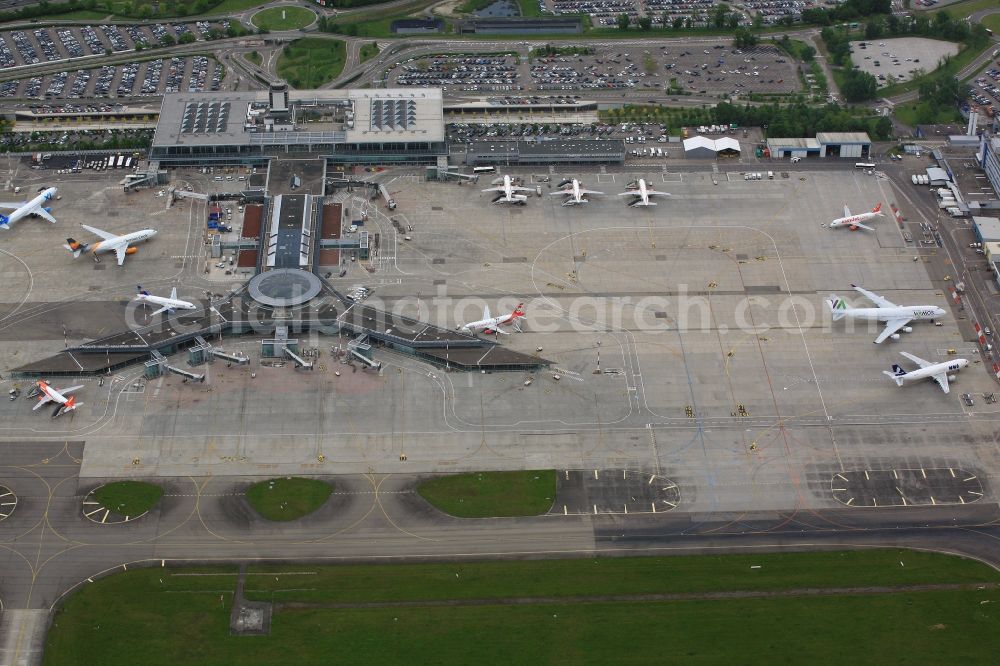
(939, 372)
(121, 245)
(856, 222)
(25, 208)
(509, 192)
(574, 191)
(490, 324)
(896, 317)
(168, 304)
(641, 192)
(49, 394)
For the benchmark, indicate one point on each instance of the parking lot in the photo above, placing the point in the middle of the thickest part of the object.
(154, 77)
(30, 47)
(677, 13)
(986, 90)
(895, 60)
(705, 69)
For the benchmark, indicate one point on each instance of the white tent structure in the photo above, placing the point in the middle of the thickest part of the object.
(705, 148)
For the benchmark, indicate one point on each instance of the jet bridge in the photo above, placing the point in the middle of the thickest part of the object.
(158, 364)
(231, 358)
(361, 349)
(299, 361)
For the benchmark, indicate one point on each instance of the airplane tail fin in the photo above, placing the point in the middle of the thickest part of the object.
(75, 246)
(878, 208)
(4, 222)
(142, 291)
(896, 375)
(837, 306)
(518, 311)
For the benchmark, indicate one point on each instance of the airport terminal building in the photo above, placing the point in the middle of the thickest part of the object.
(390, 126)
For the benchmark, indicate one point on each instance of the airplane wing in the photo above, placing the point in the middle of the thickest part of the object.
(562, 192)
(163, 309)
(41, 212)
(630, 193)
(583, 191)
(493, 189)
(916, 359)
(12, 204)
(120, 251)
(942, 380)
(97, 232)
(662, 194)
(173, 293)
(891, 326)
(874, 298)
(517, 188)
(864, 226)
(847, 211)
(44, 400)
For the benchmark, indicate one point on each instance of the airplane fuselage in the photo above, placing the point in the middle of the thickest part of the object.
(163, 301)
(854, 220)
(914, 312)
(29, 208)
(486, 324)
(127, 239)
(946, 367)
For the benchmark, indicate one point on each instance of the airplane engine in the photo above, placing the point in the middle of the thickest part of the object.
(894, 336)
(951, 378)
(907, 329)
(131, 250)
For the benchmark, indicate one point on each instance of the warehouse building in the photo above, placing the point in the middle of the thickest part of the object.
(987, 229)
(844, 144)
(416, 26)
(793, 147)
(506, 153)
(565, 25)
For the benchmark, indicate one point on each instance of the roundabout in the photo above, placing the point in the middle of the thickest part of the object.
(290, 17)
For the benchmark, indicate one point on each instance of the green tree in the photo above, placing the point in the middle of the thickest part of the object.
(623, 21)
(645, 22)
(858, 86)
(719, 15)
(743, 38)
(679, 23)
(167, 40)
(186, 38)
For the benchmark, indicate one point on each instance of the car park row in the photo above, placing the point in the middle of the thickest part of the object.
(154, 77)
(58, 43)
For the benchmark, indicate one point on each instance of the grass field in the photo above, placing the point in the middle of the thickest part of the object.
(128, 498)
(992, 22)
(78, 15)
(368, 51)
(492, 494)
(966, 8)
(312, 61)
(283, 18)
(154, 616)
(288, 498)
(922, 113)
(254, 57)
